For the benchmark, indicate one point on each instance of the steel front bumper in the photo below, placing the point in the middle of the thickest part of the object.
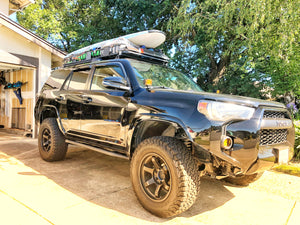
(259, 143)
(268, 156)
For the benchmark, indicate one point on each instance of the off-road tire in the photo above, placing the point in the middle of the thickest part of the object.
(51, 142)
(243, 180)
(178, 170)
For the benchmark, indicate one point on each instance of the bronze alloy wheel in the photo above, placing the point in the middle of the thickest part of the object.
(51, 141)
(155, 177)
(46, 140)
(164, 176)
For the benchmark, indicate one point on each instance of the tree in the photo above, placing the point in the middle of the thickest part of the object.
(74, 24)
(238, 38)
(71, 24)
(237, 46)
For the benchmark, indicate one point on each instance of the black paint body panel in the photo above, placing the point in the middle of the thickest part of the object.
(111, 119)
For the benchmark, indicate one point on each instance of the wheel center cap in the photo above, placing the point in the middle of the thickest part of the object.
(159, 176)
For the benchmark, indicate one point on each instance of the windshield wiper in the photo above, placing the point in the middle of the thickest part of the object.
(158, 87)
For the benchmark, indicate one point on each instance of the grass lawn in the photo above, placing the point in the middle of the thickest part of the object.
(293, 168)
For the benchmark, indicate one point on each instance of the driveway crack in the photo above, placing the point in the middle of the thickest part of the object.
(26, 206)
(292, 210)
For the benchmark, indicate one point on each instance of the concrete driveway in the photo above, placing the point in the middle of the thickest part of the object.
(91, 188)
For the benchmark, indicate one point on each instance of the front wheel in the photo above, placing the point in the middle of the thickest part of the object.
(164, 176)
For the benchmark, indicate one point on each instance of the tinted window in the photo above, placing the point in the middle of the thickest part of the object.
(78, 80)
(102, 72)
(67, 82)
(56, 80)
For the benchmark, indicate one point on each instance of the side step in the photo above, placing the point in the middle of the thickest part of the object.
(98, 150)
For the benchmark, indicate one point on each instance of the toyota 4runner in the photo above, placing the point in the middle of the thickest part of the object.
(120, 99)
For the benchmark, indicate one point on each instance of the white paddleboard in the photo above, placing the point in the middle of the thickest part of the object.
(148, 38)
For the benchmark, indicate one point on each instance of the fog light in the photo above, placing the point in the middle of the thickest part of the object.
(227, 142)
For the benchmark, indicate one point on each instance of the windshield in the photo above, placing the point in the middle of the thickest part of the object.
(162, 77)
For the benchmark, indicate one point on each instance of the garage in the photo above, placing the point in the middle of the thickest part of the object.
(26, 61)
(16, 112)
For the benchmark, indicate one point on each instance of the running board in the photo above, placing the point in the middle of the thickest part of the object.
(98, 150)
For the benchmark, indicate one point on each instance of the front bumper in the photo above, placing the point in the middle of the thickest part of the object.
(252, 151)
(268, 156)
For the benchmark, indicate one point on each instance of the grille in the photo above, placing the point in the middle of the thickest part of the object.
(271, 137)
(275, 115)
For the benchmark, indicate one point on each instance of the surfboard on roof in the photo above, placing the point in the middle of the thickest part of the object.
(149, 39)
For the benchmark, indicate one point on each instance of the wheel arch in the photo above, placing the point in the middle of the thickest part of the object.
(147, 127)
(50, 111)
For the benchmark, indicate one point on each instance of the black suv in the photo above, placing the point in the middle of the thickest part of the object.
(128, 104)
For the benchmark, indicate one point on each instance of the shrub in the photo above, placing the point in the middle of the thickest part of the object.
(297, 139)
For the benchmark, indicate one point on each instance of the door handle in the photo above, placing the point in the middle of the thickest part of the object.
(86, 99)
(59, 98)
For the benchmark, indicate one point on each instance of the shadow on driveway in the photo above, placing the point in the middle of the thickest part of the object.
(104, 180)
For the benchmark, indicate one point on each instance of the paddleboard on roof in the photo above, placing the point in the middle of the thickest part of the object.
(141, 42)
(149, 38)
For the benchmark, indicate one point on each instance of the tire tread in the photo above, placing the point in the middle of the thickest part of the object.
(189, 179)
(59, 147)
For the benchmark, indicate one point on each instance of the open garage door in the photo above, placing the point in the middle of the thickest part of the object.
(16, 92)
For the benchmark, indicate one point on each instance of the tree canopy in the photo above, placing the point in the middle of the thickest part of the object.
(74, 24)
(70, 24)
(242, 41)
(245, 47)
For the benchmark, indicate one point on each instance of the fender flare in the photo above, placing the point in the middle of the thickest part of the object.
(58, 119)
(150, 117)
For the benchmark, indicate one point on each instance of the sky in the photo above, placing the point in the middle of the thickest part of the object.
(13, 17)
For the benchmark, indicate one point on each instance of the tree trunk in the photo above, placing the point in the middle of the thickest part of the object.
(217, 70)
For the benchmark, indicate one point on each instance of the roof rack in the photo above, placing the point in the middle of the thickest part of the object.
(122, 47)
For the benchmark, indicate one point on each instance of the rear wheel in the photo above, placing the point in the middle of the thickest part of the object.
(244, 180)
(164, 176)
(51, 141)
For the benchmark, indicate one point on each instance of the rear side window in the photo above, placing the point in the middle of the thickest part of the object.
(56, 80)
(77, 80)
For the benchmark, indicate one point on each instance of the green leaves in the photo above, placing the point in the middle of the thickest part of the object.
(74, 24)
(245, 47)
(244, 44)
(70, 24)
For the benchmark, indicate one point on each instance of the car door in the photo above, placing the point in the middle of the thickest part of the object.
(103, 108)
(72, 94)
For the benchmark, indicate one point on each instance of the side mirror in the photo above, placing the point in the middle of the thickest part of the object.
(115, 82)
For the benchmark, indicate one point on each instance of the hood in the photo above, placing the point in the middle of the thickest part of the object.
(187, 96)
(241, 100)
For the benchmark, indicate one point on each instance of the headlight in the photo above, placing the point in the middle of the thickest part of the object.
(220, 111)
